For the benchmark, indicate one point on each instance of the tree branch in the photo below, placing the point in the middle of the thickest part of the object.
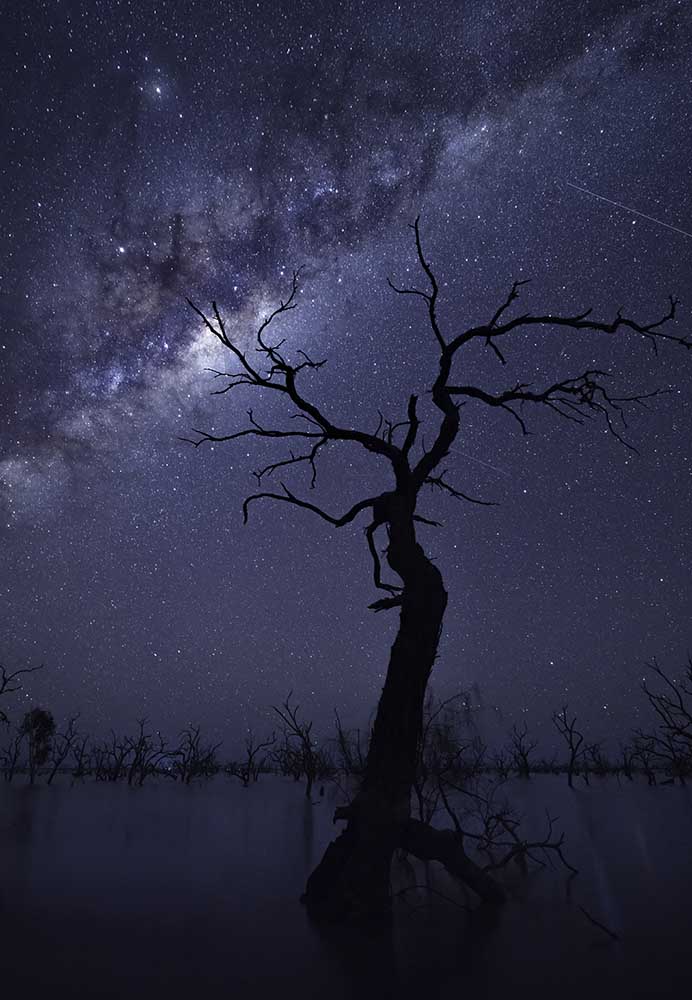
(288, 497)
(580, 321)
(585, 391)
(440, 483)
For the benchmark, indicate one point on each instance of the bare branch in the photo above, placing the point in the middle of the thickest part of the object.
(430, 298)
(295, 460)
(440, 483)
(288, 497)
(651, 331)
(255, 431)
(513, 294)
(568, 398)
(9, 683)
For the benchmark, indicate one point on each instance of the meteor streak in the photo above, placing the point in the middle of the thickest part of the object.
(628, 209)
(486, 464)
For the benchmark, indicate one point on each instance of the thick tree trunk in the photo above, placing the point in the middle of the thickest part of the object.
(353, 877)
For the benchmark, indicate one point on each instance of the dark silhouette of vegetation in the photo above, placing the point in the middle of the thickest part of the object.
(255, 761)
(62, 746)
(298, 753)
(194, 758)
(670, 745)
(350, 753)
(520, 749)
(450, 749)
(567, 728)
(148, 753)
(354, 876)
(457, 776)
(11, 753)
(9, 684)
(38, 726)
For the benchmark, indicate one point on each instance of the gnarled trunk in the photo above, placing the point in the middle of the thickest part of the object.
(353, 877)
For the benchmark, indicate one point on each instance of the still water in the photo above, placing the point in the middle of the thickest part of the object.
(108, 891)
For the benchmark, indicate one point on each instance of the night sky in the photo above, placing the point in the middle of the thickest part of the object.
(158, 151)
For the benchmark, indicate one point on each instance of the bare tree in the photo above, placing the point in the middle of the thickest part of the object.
(112, 757)
(354, 873)
(597, 761)
(9, 684)
(81, 757)
(520, 749)
(148, 754)
(670, 745)
(11, 752)
(38, 726)
(194, 759)
(250, 767)
(627, 760)
(299, 745)
(567, 728)
(63, 744)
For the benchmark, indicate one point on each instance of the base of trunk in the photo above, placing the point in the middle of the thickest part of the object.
(352, 881)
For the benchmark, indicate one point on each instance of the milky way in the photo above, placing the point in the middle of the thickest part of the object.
(155, 152)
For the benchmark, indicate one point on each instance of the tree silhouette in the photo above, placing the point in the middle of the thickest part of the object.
(354, 875)
(38, 726)
(9, 684)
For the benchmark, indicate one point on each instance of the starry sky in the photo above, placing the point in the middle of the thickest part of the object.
(154, 151)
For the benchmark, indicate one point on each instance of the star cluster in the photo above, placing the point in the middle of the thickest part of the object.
(160, 151)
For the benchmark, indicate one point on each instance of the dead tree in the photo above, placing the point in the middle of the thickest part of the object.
(597, 761)
(627, 760)
(520, 749)
(81, 757)
(194, 759)
(670, 745)
(63, 744)
(250, 768)
(354, 874)
(567, 728)
(111, 758)
(39, 728)
(149, 755)
(10, 685)
(643, 756)
(299, 744)
(10, 754)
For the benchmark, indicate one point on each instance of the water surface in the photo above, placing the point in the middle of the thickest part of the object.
(110, 891)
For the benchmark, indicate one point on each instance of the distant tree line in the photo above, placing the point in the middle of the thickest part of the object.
(451, 751)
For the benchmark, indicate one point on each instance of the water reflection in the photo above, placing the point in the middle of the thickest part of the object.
(110, 891)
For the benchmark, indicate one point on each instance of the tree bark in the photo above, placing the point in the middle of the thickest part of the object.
(353, 877)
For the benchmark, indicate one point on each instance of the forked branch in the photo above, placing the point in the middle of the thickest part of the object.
(578, 398)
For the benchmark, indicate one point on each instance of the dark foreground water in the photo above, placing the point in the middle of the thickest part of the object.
(168, 891)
